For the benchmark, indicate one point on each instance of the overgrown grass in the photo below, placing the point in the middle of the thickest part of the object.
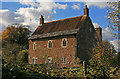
(15, 71)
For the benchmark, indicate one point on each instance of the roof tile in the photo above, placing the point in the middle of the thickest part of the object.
(60, 25)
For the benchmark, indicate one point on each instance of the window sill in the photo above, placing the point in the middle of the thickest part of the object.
(64, 46)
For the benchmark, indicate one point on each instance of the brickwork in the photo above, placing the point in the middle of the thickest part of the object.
(42, 51)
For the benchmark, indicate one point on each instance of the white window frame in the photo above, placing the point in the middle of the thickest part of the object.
(48, 44)
(34, 46)
(63, 60)
(62, 43)
(34, 60)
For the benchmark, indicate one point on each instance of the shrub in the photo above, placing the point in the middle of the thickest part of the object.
(100, 65)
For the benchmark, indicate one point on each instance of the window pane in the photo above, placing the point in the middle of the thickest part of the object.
(34, 60)
(63, 60)
(64, 42)
(34, 46)
(50, 44)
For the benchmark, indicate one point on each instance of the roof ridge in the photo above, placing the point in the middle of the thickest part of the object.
(63, 19)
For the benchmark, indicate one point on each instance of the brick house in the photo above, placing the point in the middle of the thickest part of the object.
(65, 39)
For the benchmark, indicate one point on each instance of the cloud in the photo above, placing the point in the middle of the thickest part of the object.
(115, 44)
(46, 1)
(7, 18)
(90, 0)
(96, 25)
(47, 4)
(60, 6)
(28, 2)
(76, 6)
(60, 0)
(30, 15)
(107, 34)
(97, 4)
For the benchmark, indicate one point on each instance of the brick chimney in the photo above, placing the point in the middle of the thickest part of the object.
(86, 11)
(99, 33)
(41, 20)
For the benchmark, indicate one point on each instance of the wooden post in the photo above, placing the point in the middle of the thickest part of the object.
(84, 68)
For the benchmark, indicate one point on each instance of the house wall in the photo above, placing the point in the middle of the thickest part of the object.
(99, 33)
(86, 40)
(56, 52)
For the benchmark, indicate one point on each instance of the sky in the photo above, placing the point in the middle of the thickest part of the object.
(27, 12)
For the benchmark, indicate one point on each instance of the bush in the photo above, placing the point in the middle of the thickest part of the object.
(22, 57)
(100, 65)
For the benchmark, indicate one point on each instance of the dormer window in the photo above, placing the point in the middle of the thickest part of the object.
(64, 42)
(50, 44)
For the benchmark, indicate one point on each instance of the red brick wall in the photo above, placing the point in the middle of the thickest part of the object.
(99, 33)
(56, 51)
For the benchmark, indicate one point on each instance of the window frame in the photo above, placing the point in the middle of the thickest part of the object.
(62, 43)
(49, 47)
(63, 60)
(34, 46)
(34, 60)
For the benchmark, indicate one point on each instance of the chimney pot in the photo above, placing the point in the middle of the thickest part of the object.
(86, 10)
(85, 6)
(41, 20)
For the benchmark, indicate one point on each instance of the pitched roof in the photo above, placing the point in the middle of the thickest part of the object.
(59, 26)
(53, 34)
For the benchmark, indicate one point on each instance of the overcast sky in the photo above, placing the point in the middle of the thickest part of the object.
(27, 12)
